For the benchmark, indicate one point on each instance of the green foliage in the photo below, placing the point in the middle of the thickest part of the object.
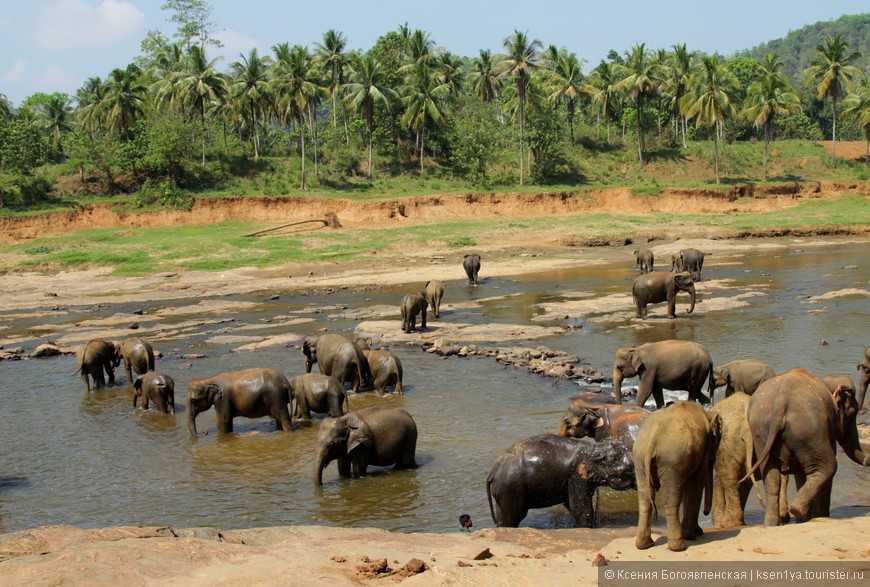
(798, 126)
(474, 138)
(461, 242)
(164, 193)
(22, 147)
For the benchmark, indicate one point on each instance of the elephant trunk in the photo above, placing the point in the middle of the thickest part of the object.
(191, 418)
(691, 291)
(852, 446)
(617, 385)
(321, 459)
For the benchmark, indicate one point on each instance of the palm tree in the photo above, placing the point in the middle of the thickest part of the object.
(679, 72)
(424, 99)
(639, 77)
(366, 89)
(708, 100)
(831, 68)
(523, 56)
(768, 97)
(565, 82)
(250, 86)
(334, 61)
(857, 105)
(486, 83)
(124, 100)
(421, 48)
(200, 84)
(601, 88)
(56, 119)
(5, 107)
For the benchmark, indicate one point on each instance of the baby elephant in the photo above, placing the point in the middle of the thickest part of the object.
(413, 304)
(547, 470)
(386, 370)
(319, 393)
(434, 293)
(471, 264)
(156, 387)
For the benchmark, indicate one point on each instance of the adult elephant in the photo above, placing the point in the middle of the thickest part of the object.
(674, 455)
(547, 470)
(671, 364)
(138, 356)
(338, 357)
(691, 260)
(645, 259)
(250, 393)
(370, 436)
(659, 286)
(796, 423)
(743, 375)
(153, 386)
(413, 304)
(316, 392)
(864, 368)
(434, 293)
(471, 264)
(604, 421)
(386, 369)
(95, 357)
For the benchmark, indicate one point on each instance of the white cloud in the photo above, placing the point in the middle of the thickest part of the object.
(17, 73)
(73, 23)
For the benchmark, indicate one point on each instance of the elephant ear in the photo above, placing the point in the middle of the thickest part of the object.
(137, 384)
(213, 392)
(635, 360)
(715, 429)
(358, 434)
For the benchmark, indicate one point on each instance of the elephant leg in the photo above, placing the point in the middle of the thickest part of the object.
(674, 496)
(509, 515)
(815, 484)
(87, 380)
(692, 494)
(282, 418)
(129, 372)
(360, 462)
(720, 517)
(784, 516)
(423, 319)
(397, 389)
(645, 502)
(580, 503)
(344, 466)
(772, 481)
(658, 394)
(408, 459)
(381, 384)
(223, 421)
(822, 503)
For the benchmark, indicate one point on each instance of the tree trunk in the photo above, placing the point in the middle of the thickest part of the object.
(202, 120)
(370, 150)
(834, 136)
(422, 146)
(683, 125)
(522, 131)
(639, 107)
(302, 139)
(716, 154)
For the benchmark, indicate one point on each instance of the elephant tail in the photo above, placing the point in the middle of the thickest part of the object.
(489, 498)
(749, 455)
(651, 475)
(776, 428)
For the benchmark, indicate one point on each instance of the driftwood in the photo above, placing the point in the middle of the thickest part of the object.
(330, 220)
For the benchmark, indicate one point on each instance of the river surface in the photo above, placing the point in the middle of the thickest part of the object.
(91, 460)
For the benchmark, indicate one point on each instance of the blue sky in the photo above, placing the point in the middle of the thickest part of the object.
(55, 45)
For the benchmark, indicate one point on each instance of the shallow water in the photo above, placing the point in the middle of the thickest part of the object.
(92, 460)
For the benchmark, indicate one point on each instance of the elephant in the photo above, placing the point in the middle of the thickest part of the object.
(796, 423)
(691, 260)
(94, 357)
(864, 368)
(250, 393)
(153, 386)
(658, 286)
(434, 293)
(604, 421)
(386, 369)
(743, 375)
(138, 356)
(413, 304)
(471, 264)
(841, 382)
(315, 392)
(645, 259)
(671, 364)
(339, 357)
(733, 460)
(370, 436)
(674, 453)
(547, 470)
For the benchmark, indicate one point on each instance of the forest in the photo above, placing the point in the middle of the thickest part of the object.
(409, 116)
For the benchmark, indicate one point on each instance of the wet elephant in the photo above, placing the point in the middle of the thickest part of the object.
(413, 304)
(386, 370)
(138, 356)
(604, 421)
(796, 423)
(733, 460)
(743, 375)
(645, 259)
(674, 455)
(338, 357)
(316, 392)
(864, 379)
(547, 470)
(671, 364)
(96, 357)
(471, 264)
(434, 294)
(660, 286)
(370, 436)
(691, 260)
(250, 393)
(153, 386)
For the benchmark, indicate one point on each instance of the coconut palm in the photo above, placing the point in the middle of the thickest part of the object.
(565, 82)
(333, 59)
(768, 97)
(124, 100)
(250, 87)
(90, 99)
(602, 91)
(425, 98)
(857, 105)
(365, 89)
(5, 108)
(522, 58)
(709, 99)
(486, 84)
(831, 68)
(55, 117)
(678, 72)
(639, 78)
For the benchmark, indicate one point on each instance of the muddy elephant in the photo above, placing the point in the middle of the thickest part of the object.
(671, 364)
(645, 259)
(153, 386)
(604, 421)
(370, 436)
(386, 370)
(796, 423)
(413, 304)
(316, 392)
(841, 382)
(547, 470)
(864, 379)
(250, 393)
(674, 455)
(733, 460)
(691, 260)
(471, 264)
(138, 356)
(434, 294)
(338, 357)
(743, 375)
(96, 357)
(660, 286)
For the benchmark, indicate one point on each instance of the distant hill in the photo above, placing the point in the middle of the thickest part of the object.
(798, 48)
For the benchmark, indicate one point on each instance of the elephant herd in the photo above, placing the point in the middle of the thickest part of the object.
(653, 287)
